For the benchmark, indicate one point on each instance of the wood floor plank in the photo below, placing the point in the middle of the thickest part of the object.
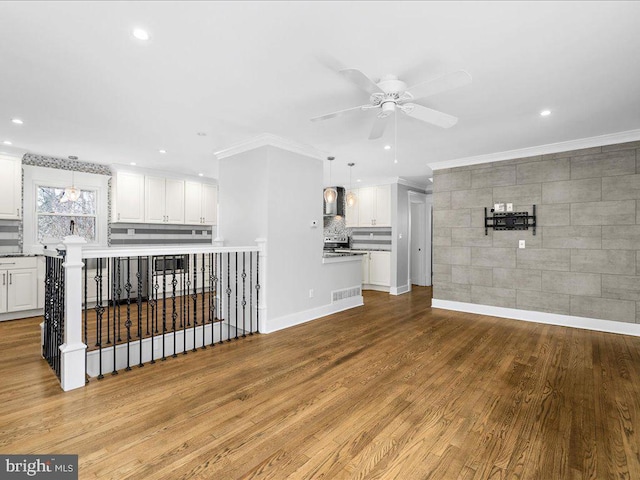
(393, 389)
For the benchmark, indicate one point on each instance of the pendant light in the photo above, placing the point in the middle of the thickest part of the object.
(71, 194)
(351, 196)
(330, 193)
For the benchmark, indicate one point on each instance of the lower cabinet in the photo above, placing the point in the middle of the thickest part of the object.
(18, 284)
(376, 268)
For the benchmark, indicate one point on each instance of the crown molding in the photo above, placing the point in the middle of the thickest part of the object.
(270, 140)
(601, 140)
(409, 183)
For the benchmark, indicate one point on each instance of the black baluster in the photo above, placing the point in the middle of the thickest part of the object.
(99, 313)
(250, 293)
(127, 323)
(258, 293)
(228, 296)
(236, 296)
(204, 319)
(119, 292)
(244, 299)
(116, 310)
(220, 306)
(174, 314)
(139, 301)
(164, 305)
(212, 302)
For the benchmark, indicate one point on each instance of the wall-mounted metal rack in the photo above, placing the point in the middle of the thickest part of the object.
(509, 220)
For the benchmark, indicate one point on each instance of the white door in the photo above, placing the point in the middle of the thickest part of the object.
(22, 290)
(154, 200)
(174, 201)
(192, 203)
(417, 243)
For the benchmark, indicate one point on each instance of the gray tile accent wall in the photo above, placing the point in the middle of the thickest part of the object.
(585, 257)
(136, 234)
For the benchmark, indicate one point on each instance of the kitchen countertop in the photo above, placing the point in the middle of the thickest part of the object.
(9, 255)
(339, 257)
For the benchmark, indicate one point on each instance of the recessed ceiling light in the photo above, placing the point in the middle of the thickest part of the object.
(17, 121)
(7, 142)
(359, 180)
(201, 174)
(387, 147)
(545, 113)
(162, 151)
(140, 34)
(132, 163)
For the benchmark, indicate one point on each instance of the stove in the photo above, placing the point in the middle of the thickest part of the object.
(332, 242)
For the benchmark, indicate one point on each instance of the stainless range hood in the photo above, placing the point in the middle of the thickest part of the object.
(336, 208)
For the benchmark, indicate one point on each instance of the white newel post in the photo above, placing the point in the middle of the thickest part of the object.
(262, 278)
(72, 374)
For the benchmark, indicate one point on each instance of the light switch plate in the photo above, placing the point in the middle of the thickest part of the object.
(521, 244)
(509, 207)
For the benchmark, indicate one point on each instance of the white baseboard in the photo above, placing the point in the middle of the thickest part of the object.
(400, 290)
(378, 288)
(274, 324)
(541, 317)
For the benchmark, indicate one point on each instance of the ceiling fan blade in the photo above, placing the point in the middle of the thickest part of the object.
(378, 127)
(446, 82)
(361, 80)
(428, 115)
(338, 113)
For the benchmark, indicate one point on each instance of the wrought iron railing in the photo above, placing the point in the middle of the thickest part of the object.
(130, 307)
(53, 332)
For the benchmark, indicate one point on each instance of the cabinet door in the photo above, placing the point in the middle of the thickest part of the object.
(365, 267)
(210, 204)
(366, 206)
(351, 212)
(380, 269)
(192, 203)
(174, 201)
(154, 200)
(4, 280)
(22, 290)
(383, 206)
(129, 198)
(10, 187)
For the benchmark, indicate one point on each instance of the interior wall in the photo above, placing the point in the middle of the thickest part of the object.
(584, 259)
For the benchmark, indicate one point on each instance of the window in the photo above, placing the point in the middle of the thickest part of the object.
(54, 218)
(47, 219)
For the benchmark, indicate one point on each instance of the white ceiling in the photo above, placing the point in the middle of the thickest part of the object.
(233, 70)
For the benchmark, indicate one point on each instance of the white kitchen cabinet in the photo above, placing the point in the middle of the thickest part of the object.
(10, 187)
(128, 197)
(372, 208)
(18, 284)
(376, 268)
(164, 200)
(201, 203)
(351, 212)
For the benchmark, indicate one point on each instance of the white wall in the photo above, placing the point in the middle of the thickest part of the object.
(276, 194)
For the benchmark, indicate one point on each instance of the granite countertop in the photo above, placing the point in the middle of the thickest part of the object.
(8, 255)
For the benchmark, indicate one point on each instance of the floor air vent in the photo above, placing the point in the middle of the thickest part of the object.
(338, 295)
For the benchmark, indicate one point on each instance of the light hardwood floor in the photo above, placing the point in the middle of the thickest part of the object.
(390, 390)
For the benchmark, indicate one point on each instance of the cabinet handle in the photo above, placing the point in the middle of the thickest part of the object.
(118, 216)
(18, 212)
(10, 278)
(7, 263)
(4, 279)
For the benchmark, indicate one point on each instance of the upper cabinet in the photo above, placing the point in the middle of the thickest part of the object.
(140, 198)
(128, 195)
(164, 200)
(372, 207)
(10, 188)
(201, 203)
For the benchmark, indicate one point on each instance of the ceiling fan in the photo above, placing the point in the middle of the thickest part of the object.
(390, 94)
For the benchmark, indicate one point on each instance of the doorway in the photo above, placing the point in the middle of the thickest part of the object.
(419, 250)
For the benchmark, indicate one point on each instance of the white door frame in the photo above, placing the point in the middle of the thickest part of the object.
(416, 197)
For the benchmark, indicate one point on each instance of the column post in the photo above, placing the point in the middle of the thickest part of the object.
(73, 370)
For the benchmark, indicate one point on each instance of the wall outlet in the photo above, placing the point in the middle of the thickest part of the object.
(521, 244)
(498, 207)
(314, 223)
(509, 207)
(131, 231)
(311, 293)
